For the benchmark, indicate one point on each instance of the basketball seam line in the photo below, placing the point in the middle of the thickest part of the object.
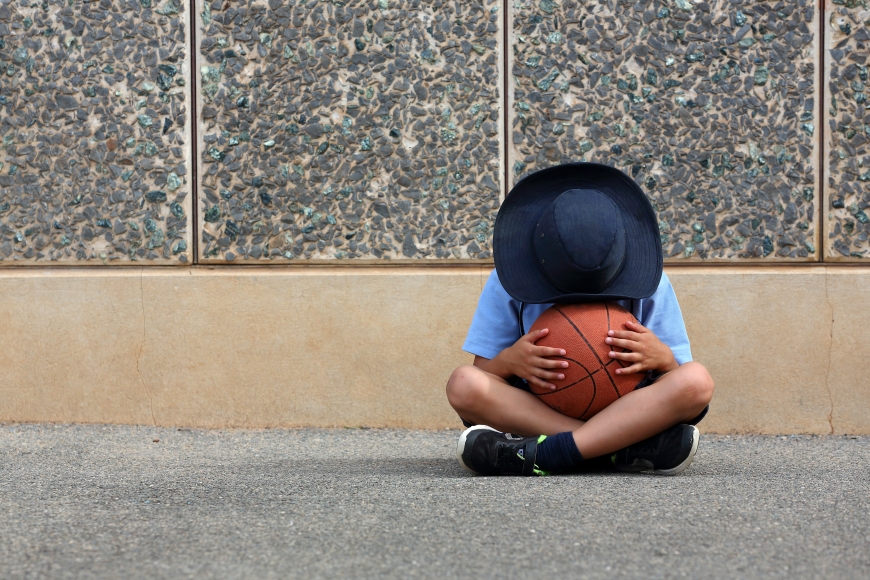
(601, 362)
(591, 400)
(588, 374)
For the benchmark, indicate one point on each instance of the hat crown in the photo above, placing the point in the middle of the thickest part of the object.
(580, 241)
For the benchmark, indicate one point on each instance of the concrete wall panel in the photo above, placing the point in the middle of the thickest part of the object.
(847, 378)
(356, 130)
(95, 145)
(260, 347)
(846, 145)
(765, 336)
(709, 106)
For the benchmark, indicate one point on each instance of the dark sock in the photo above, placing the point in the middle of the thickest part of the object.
(558, 453)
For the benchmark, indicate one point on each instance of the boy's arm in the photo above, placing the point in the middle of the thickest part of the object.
(526, 360)
(493, 340)
(493, 366)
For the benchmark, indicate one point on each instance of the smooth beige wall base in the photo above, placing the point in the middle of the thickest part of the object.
(288, 347)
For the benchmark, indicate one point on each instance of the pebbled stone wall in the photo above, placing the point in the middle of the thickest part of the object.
(710, 105)
(373, 130)
(847, 154)
(94, 132)
(349, 130)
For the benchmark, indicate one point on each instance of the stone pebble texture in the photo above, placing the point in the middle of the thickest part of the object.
(359, 130)
(710, 106)
(847, 153)
(94, 152)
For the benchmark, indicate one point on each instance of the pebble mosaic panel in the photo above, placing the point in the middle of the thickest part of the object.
(349, 130)
(848, 156)
(93, 130)
(710, 105)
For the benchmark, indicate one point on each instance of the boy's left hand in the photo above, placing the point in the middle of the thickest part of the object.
(647, 352)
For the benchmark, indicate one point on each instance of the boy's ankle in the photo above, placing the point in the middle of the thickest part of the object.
(558, 453)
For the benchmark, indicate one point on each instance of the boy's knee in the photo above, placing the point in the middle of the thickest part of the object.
(466, 386)
(697, 385)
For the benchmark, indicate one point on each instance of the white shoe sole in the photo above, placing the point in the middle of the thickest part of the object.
(696, 436)
(460, 447)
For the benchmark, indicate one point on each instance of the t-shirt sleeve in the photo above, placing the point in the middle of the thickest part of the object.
(661, 314)
(495, 324)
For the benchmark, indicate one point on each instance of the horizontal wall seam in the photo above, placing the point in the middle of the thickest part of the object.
(408, 264)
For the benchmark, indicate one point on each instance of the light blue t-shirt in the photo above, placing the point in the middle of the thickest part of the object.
(495, 325)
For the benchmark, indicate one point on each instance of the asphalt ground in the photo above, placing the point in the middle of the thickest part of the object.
(81, 501)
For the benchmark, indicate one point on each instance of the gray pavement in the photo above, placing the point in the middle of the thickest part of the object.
(108, 502)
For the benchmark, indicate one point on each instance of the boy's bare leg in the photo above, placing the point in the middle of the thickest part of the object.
(486, 399)
(678, 396)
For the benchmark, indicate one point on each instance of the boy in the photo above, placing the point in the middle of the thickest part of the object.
(579, 232)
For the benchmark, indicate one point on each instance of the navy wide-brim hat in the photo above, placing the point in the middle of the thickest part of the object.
(578, 232)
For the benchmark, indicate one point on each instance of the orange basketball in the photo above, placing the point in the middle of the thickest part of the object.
(590, 383)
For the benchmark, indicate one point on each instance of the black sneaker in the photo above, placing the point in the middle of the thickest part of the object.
(668, 453)
(484, 451)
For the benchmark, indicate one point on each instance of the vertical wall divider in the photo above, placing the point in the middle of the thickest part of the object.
(823, 135)
(505, 61)
(194, 133)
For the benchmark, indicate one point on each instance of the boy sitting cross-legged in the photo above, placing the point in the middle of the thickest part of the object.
(580, 232)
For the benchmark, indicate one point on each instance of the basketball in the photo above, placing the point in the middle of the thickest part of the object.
(590, 383)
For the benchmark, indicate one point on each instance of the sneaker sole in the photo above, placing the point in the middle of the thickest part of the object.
(460, 447)
(696, 436)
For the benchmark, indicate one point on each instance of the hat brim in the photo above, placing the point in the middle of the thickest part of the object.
(514, 255)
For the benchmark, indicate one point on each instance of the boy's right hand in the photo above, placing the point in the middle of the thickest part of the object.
(526, 360)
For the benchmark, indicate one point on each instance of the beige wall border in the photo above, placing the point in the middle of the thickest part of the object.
(351, 346)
